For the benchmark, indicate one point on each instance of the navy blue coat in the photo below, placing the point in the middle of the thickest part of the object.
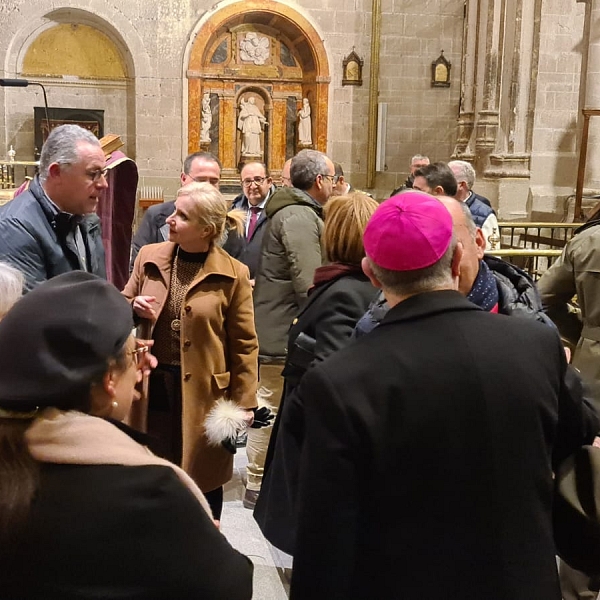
(38, 240)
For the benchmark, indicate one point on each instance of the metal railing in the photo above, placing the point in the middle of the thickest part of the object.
(14, 173)
(536, 235)
(533, 261)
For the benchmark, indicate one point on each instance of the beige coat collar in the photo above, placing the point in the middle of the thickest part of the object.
(218, 262)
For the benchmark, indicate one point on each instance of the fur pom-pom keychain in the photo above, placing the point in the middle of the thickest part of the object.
(226, 420)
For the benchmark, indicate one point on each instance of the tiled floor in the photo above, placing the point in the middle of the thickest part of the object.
(271, 567)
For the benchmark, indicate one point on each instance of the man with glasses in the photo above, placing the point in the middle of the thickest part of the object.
(198, 167)
(257, 188)
(291, 251)
(52, 228)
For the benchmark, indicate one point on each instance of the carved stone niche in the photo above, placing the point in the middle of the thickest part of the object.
(260, 59)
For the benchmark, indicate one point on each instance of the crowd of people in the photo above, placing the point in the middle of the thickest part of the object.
(401, 430)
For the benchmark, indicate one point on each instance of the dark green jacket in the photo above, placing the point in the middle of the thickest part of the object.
(291, 251)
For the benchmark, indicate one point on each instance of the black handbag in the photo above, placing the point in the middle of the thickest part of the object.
(302, 352)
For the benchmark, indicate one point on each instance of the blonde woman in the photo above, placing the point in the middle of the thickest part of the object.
(197, 302)
(339, 297)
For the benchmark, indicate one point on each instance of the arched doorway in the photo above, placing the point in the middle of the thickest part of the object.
(250, 66)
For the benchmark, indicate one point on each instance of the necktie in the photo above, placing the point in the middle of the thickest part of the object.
(254, 212)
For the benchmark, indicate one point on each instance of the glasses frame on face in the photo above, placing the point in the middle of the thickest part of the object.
(258, 181)
(96, 175)
(137, 355)
(332, 178)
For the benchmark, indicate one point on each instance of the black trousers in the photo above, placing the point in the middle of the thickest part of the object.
(164, 423)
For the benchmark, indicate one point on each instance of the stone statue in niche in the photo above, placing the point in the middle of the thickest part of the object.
(206, 120)
(304, 124)
(254, 48)
(250, 123)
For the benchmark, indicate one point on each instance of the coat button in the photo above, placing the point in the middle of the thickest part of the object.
(188, 308)
(187, 343)
(187, 376)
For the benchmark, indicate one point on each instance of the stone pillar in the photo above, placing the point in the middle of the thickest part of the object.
(590, 81)
(464, 149)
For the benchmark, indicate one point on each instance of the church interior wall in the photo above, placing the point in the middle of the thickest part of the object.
(556, 131)
(150, 109)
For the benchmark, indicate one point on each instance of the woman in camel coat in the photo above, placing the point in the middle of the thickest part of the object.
(198, 302)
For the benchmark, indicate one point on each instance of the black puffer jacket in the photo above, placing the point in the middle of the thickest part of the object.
(38, 240)
(517, 296)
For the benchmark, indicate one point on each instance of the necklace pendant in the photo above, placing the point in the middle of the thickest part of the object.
(176, 324)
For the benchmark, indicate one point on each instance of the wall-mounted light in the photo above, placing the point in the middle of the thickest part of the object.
(25, 83)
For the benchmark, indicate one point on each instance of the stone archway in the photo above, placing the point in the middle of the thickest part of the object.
(262, 53)
(87, 87)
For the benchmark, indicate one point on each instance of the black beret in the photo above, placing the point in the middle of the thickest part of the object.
(56, 340)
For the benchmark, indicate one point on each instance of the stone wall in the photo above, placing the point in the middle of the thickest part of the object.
(556, 131)
(150, 109)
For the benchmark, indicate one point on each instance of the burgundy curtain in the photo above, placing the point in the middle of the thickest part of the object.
(116, 210)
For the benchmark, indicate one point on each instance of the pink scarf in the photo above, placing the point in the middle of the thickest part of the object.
(75, 438)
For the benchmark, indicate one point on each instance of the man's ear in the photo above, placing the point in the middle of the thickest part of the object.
(54, 170)
(368, 271)
(456, 259)
(438, 190)
(480, 242)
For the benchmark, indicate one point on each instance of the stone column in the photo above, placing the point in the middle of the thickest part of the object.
(590, 82)
(464, 148)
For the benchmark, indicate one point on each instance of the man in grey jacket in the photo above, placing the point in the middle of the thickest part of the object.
(575, 272)
(52, 228)
(291, 251)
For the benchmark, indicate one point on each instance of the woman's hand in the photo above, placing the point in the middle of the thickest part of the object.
(142, 305)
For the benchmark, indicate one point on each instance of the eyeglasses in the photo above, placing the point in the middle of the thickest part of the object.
(332, 178)
(95, 175)
(257, 180)
(138, 354)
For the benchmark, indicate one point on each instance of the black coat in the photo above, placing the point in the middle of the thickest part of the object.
(245, 250)
(153, 228)
(427, 458)
(113, 531)
(38, 240)
(329, 318)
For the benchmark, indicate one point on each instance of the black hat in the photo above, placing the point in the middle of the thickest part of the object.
(57, 339)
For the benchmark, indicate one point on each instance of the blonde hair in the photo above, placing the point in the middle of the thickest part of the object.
(212, 210)
(345, 220)
(11, 287)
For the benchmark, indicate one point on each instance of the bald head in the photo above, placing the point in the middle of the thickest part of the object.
(470, 237)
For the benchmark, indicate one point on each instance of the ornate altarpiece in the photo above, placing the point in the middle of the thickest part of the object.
(268, 56)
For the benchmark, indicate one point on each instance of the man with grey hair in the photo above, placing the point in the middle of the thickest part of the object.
(52, 228)
(480, 207)
(416, 162)
(291, 251)
(470, 437)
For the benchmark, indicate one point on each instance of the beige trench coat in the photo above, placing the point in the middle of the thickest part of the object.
(577, 271)
(219, 348)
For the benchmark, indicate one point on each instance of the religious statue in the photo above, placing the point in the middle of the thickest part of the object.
(304, 124)
(250, 123)
(254, 48)
(206, 121)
